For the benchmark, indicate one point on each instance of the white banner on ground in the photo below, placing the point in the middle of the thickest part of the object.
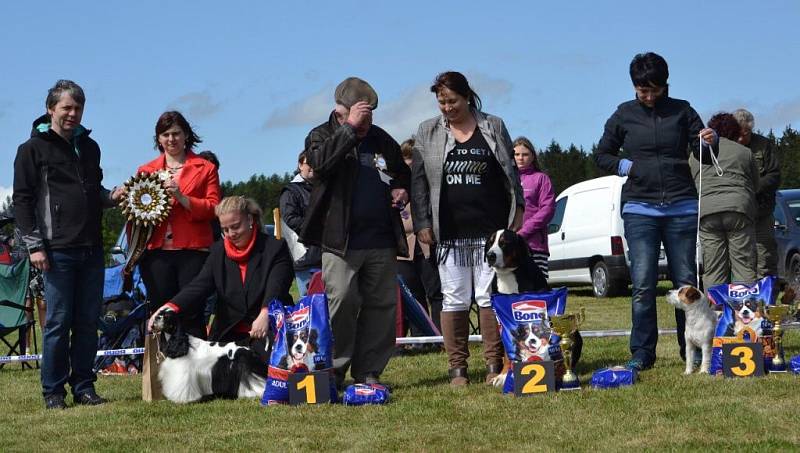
(401, 340)
(104, 353)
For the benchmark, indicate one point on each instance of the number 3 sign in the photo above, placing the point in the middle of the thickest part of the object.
(742, 359)
(534, 377)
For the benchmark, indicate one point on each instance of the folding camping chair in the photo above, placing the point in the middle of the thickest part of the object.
(123, 317)
(15, 317)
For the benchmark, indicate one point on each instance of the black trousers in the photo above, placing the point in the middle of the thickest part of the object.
(164, 273)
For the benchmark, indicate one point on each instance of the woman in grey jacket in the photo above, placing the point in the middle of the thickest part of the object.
(464, 187)
(727, 207)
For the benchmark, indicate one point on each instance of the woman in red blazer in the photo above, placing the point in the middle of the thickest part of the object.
(179, 246)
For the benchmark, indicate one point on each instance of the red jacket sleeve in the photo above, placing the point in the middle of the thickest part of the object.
(202, 208)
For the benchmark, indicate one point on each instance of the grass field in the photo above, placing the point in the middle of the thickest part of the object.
(663, 411)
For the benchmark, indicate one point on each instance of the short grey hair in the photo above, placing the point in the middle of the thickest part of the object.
(65, 86)
(744, 118)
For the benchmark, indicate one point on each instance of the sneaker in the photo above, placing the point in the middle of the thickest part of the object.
(638, 365)
(55, 402)
(89, 399)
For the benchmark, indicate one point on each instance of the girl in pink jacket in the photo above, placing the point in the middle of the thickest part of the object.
(540, 202)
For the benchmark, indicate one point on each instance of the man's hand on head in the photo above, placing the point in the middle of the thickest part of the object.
(360, 118)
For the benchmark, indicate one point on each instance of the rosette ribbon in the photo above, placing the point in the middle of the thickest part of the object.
(145, 205)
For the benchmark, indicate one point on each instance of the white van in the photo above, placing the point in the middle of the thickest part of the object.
(587, 237)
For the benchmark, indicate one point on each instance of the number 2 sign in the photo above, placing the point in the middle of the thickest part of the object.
(534, 377)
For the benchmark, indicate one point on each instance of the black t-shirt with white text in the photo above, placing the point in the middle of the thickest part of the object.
(474, 200)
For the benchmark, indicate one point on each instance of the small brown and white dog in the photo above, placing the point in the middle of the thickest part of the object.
(701, 321)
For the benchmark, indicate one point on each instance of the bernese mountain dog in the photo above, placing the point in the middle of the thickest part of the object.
(516, 272)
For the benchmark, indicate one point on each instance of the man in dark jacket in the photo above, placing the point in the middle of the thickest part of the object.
(58, 201)
(360, 187)
(769, 179)
(294, 202)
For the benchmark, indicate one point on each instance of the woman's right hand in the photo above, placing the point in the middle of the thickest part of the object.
(153, 317)
(425, 236)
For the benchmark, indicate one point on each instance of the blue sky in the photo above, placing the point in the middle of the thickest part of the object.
(254, 77)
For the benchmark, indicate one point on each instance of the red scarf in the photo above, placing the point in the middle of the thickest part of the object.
(241, 256)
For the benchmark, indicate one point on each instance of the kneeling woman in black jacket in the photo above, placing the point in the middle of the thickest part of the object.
(247, 270)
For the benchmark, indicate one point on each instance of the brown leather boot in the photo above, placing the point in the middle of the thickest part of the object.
(492, 345)
(455, 330)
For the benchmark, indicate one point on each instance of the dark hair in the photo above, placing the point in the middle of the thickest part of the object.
(210, 156)
(173, 118)
(649, 70)
(523, 141)
(726, 126)
(64, 86)
(407, 148)
(458, 83)
(301, 157)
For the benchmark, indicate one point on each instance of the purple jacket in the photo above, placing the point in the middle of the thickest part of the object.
(540, 205)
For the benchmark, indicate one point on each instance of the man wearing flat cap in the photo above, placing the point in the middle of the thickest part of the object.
(361, 184)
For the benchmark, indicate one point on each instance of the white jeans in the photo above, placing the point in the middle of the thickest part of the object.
(458, 284)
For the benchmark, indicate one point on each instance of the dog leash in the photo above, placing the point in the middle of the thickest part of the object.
(159, 355)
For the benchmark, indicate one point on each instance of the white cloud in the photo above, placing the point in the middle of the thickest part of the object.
(498, 90)
(305, 112)
(399, 116)
(4, 193)
(197, 104)
(773, 116)
(779, 115)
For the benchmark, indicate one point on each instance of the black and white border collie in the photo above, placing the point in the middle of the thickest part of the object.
(515, 270)
(195, 369)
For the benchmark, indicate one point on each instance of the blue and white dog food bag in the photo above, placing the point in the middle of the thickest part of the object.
(365, 394)
(525, 328)
(303, 342)
(613, 377)
(794, 364)
(742, 319)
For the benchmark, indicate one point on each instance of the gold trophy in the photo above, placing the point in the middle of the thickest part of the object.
(777, 315)
(565, 326)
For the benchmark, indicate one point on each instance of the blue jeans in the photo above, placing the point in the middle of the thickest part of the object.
(645, 235)
(73, 289)
(303, 279)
